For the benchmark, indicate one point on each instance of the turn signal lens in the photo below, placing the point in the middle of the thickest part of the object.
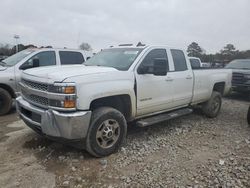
(69, 104)
(69, 90)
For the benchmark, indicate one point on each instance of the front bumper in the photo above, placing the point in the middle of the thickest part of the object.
(69, 126)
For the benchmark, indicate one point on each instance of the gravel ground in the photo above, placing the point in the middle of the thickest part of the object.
(192, 151)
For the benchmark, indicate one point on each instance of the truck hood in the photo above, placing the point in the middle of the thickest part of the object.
(60, 73)
(241, 71)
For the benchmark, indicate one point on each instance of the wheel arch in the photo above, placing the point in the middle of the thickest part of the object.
(9, 89)
(121, 103)
(219, 87)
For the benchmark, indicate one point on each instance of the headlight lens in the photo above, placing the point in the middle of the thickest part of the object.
(63, 89)
(69, 104)
(68, 99)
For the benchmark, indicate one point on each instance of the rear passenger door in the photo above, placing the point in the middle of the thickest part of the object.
(71, 58)
(182, 78)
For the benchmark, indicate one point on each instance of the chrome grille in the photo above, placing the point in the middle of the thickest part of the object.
(42, 95)
(238, 78)
(39, 100)
(35, 99)
(35, 85)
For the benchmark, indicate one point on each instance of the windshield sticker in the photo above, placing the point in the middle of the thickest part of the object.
(131, 52)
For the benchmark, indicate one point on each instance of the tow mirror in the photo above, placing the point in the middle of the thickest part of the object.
(28, 65)
(25, 66)
(160, 67)
(36, 62)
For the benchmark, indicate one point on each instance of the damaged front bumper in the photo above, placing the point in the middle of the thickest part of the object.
(62, 125)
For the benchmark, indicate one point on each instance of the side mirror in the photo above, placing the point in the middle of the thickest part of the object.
(36, 62)
(143, 70)
(25, 66)
(160, 67)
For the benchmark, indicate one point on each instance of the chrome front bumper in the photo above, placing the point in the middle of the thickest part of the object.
(72, 125)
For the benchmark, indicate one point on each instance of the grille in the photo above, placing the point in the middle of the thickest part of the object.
(39, 100)
(36, 99)
(35, 85)
(238, 78)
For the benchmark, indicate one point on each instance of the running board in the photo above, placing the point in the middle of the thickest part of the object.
(163, 117)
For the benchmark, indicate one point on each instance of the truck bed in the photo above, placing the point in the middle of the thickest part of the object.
(204, 80)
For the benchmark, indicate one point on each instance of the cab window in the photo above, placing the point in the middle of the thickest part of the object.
(179, 59)
(69, 58)
(45, 59)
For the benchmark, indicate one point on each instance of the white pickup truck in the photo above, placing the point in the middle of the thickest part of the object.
(12, 67)
(90, 105)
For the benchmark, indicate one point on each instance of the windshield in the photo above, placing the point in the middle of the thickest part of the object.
(118, 58)
(239, 64)
(14, 59)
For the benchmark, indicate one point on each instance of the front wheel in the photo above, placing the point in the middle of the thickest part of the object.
(107, 131)
(211, 108)
(5, 102)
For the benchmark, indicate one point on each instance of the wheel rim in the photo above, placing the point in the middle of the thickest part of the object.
(216, 105)
(107, 133)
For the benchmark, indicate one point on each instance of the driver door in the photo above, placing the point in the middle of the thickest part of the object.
(154, 93)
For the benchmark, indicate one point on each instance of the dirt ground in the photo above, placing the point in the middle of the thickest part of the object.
(192, 151)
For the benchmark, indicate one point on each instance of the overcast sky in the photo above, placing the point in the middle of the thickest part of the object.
(101, 23)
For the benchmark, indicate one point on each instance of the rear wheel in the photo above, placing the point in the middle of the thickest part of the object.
(5, 102)
(212, 107)
(107, 131)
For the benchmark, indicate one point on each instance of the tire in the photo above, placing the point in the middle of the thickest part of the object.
(212, 107)
(5, 102)
(107, 132)
(248, 116)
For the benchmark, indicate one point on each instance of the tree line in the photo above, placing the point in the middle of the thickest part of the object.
(8, 50)
(225, 55)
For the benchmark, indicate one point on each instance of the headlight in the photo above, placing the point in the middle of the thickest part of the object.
(69, 104)
(66, 103)
(67, 99)
(64, 88)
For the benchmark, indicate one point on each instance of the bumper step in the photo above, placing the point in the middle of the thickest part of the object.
(163, 117)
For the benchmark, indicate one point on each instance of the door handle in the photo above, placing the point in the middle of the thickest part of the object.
(168, 79)
(189, 77)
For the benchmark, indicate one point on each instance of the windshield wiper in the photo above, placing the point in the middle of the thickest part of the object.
(3, 63)
(95, 65)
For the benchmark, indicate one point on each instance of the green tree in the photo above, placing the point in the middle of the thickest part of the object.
(194, 50)
(229, 49)
(229, 52)
(85, 46)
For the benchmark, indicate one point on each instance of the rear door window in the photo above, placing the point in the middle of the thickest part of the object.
(179, 59)
(69, 58)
